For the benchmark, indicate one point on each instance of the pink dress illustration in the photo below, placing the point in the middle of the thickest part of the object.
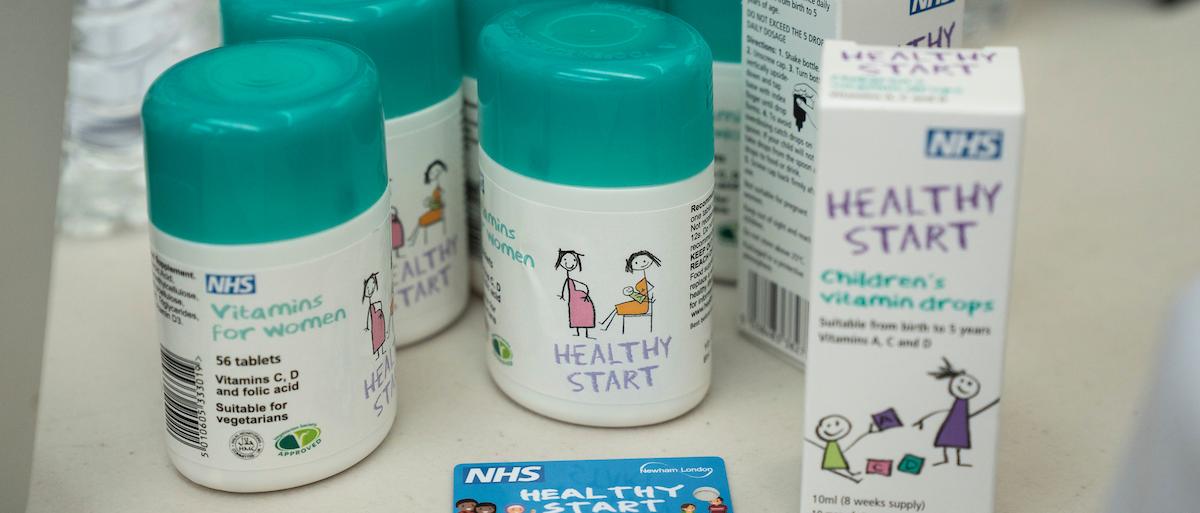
(397, 232)
(376, 321)
(581, 312)
(378, 327)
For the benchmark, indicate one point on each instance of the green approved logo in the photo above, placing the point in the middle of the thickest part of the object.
(502, 350)
(298, 440)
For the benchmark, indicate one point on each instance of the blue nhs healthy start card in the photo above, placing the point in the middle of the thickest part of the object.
(656, 485)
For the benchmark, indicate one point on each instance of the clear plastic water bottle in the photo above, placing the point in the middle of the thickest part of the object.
(118, 48)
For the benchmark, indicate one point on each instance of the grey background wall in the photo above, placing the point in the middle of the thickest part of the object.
(34, 41)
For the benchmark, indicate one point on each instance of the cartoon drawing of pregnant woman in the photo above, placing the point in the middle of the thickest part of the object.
(641, 301)
(955, 432)
(376, 323)
(581, 312)
(437, 209)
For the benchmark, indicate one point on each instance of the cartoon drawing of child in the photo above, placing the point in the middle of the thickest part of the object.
(517, 508)
(804, 99)
(638, 261)
(485, 507)
(437, 208)
(687, 508)
(717, 505)
(831, 430)
(397, 232)
(466, 505)
(581, 312)
(955, 432)
(376, 324)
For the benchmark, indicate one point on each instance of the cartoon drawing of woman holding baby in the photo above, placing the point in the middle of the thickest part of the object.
(436, 213)
(581, 312)
(641, 300)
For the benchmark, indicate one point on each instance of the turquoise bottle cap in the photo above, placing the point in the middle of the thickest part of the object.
(264, 142)
(414, 43)
(719, 20)
(474, 14)
(596, 94)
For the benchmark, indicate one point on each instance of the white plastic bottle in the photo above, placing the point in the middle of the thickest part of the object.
(268, 201)
(596, 199)
(473, 15)
(415, 47)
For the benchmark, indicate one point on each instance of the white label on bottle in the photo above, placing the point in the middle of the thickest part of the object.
(598, 307)
(429, 225)
(728, 98)
(471, 159)
(266, 368)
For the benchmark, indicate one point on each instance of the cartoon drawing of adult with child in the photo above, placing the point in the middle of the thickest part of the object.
(436, 213)
(641, 301)
(830, 431)
(955, 432)
(581, 312)
(376, 323)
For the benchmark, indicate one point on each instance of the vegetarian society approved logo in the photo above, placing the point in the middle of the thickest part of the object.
(502, 350)
(298, 440)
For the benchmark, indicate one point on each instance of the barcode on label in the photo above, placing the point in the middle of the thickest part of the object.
(777, 313)
(183, 400)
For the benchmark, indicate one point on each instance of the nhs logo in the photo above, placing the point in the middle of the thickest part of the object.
(229, 284)
(920, 6)
(964, 144)
(488, 475)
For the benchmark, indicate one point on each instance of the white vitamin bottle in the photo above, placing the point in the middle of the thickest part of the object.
(472, 16)
(720, 21)
(415, 47)
(268, 201)
(596, 201)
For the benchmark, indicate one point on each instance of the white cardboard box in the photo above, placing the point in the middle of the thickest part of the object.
(919, 154)
(781, 51)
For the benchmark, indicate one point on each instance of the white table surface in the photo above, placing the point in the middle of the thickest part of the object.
(1108, 231)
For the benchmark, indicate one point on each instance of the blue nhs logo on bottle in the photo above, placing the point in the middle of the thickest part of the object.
(229, 284)
(513, 474)
(920, 6)
(964, 144)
